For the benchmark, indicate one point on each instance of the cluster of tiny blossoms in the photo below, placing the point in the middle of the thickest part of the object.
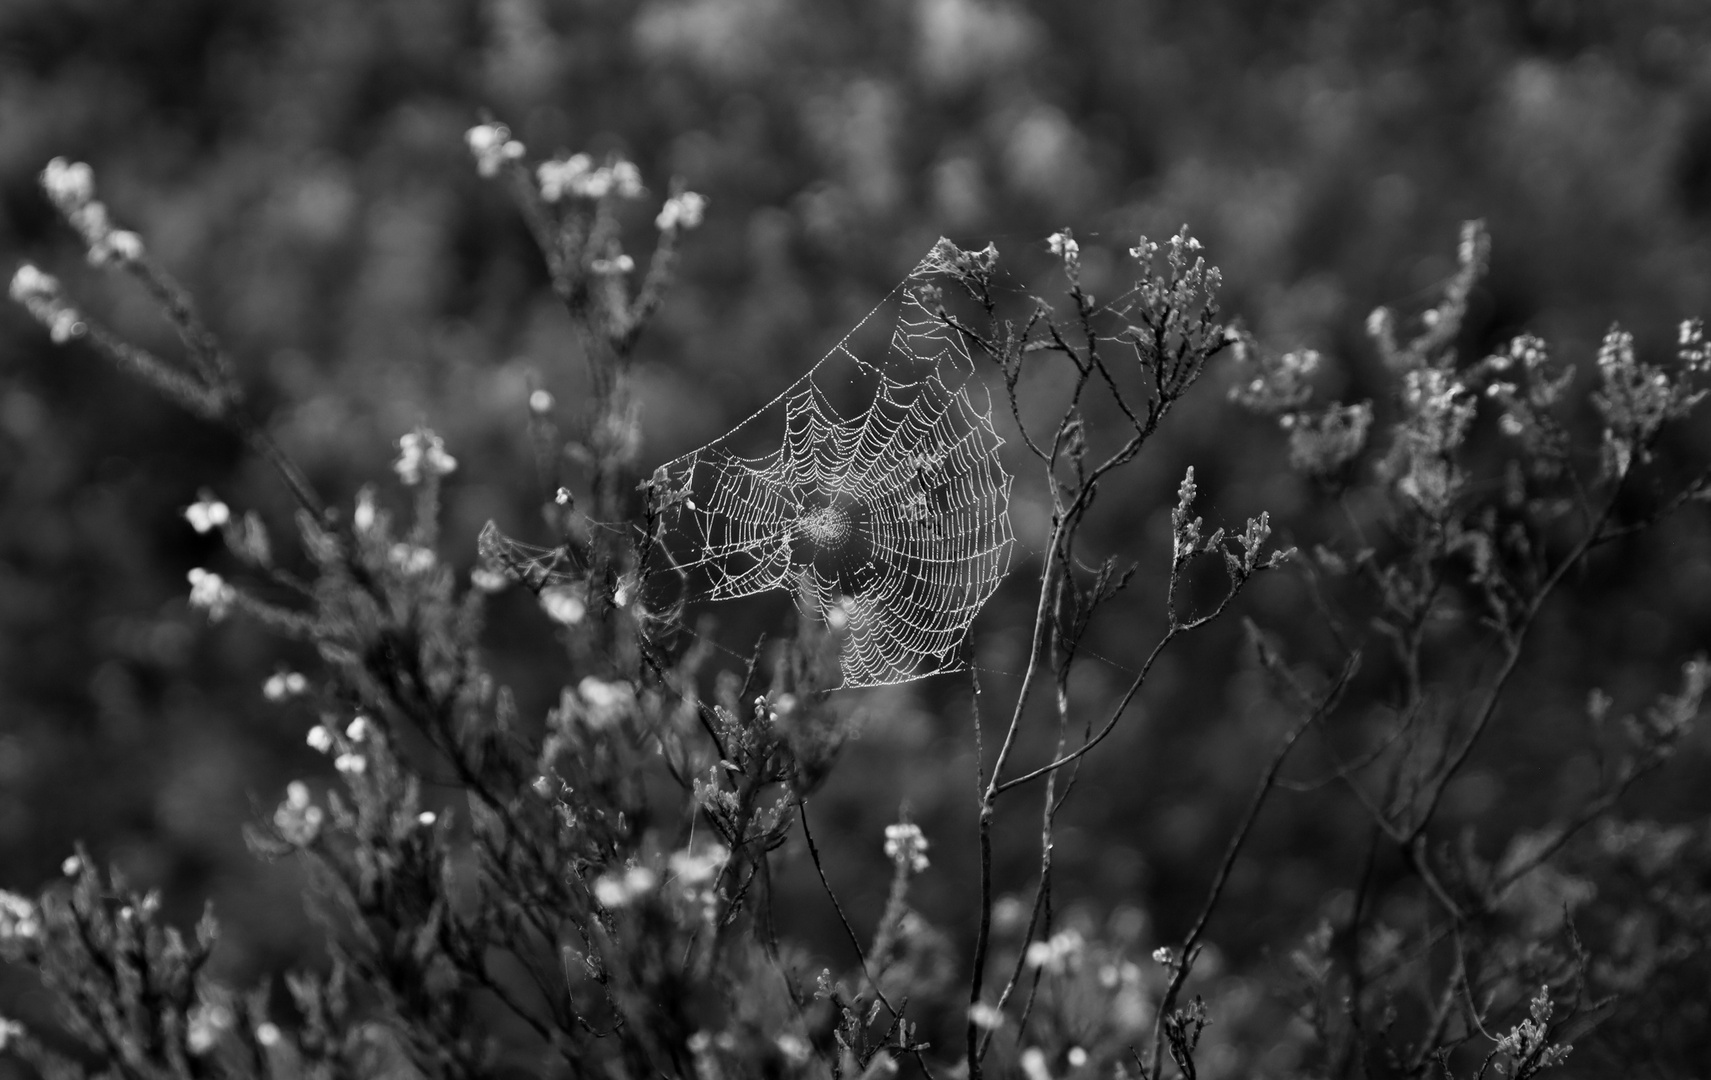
(577, 176)
(18, 918)
(71, 188)
(210, 593)
(284, 685)
(207, 513)
(350, 759)
(422, 453)
(298, 819)
(1059, 953)
(492, 146)
(40, 295)
(906, 846)
(691, 874)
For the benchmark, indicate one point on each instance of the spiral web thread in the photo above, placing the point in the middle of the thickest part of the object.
(885, 509)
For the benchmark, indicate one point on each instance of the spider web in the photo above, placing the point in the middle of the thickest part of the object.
(883, 509)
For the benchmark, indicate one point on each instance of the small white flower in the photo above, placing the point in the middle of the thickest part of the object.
(351, 764)
(619, 890)
(622, 264)
(681, 211)
(906, 845)
(18, 918)
(426, 818)
(540, 402)
(1162, 955)
(72, 866)
(421, 452)
(363, 518)
(1057, 954)
(320, 738)
(207, 1022)
(64, 325)
(283, 685)
(484, 138)
(563, 604)
(268, 1034)
(359, 729)
(120, 246)
(298, 819)
(487, 579)
(1378, 323)
(626, 179)
(558, 178)
(68, 184)
(594, 185)
(412, 560)
(1063, 246)
(91, 221)
(207, 513)
(984, 1016)
(211, 593)
(838, 615)
(29, 283)
(605, 702)
(693, 870)
(492, 146)
(794, 1048)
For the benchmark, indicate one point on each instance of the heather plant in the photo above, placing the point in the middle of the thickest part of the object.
(593, 892)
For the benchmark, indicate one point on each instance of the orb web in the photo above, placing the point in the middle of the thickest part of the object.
(871, 489)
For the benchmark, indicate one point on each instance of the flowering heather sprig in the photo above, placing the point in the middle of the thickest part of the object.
(621, 889)
(576, 175)
(207, 513)
(284, 685)
(210, 592)
(40, 295)
(70, 186)
(1438, 408)
(682, 211)
(1528, 1042)
(1636, 399)
(605, 702)
(422, 453)
(492, 146)
(19, 919)
(1442, 323)
(208, 1022)
(906, 846)
(412, 559)
(1281, 386)
(1059, 953)
(617, 264)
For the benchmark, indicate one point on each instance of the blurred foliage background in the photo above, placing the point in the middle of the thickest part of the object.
(302, 167)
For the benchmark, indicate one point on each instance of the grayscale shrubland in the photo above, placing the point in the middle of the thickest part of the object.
(594, 892)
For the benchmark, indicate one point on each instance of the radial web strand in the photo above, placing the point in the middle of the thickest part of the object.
(883, 507)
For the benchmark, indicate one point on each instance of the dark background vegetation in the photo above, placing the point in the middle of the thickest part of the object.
(301, 166)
